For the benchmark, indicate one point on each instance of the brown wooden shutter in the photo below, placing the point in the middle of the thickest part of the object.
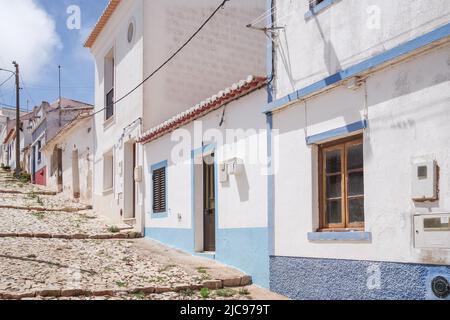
(159, 190)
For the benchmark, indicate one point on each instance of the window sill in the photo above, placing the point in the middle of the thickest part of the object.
(160, 215)
(108, 123)
(347, 236)
(320, 7)
(108, 192)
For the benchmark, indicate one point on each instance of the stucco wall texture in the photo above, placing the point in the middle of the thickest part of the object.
(330, 279)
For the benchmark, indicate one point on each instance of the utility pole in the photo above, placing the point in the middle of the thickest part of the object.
(59, 101)
(18, 169)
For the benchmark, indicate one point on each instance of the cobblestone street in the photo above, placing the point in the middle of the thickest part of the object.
(59, 249)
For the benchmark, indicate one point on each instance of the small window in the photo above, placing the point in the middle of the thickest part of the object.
(39, 153)
(130, 33)
(314, 3)
(342, 184)
(159, 190)
(109, 74)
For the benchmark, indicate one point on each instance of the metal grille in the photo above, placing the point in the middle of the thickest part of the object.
(159, 190)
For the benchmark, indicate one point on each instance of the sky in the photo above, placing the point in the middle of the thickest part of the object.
(36, 34)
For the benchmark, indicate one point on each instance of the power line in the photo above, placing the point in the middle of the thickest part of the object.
(27, 92)
(7, 80)
(78, 118)
(222, 5)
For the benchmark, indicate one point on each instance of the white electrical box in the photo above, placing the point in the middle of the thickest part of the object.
(432, 231)
(424, 181)
(138, 174)
(235, 167)
(223, 173)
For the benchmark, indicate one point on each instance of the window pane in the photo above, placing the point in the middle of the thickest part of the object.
(356, 210)
(334, 186)
(334, 211)
(333, 161)
(356, 184)
(355, 157)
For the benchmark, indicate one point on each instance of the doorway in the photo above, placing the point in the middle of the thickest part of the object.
(209, 204)
(129, 183)
(59, 171)
(75, 175)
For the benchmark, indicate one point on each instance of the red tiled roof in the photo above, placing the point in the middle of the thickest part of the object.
(110, 8)
(236, 91)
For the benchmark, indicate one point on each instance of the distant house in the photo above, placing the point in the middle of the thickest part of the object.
(70, 152)
(47, 121)
(130, 41)
(8, 149)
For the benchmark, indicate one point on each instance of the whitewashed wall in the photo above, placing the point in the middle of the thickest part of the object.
(224, 52)
(347, 32)
(408, 116)
(242, 201)
(129, 72)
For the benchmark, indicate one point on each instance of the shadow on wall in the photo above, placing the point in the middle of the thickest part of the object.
(243, 185)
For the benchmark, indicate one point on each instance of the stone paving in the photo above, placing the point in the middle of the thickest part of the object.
(43, 268)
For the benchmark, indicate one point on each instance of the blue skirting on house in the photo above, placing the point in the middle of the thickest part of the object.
(330, 279)
(245, 249)
(173, 237)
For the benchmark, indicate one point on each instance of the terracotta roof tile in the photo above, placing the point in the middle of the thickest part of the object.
(110, 8)
(222, 98)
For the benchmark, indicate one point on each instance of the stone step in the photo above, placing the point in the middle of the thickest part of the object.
(105, 236)
(239, 282)
(39, 193)
(43, 209)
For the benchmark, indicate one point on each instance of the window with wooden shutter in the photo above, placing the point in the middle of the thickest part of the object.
(342, 184)
(313, 3)
(159, 190)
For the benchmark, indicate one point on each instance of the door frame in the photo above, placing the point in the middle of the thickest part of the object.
(129, 187)
(198, 156)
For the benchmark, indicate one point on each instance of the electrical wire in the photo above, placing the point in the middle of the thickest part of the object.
(222, 5)
(26, 91)
(202, 26)
(1, 84)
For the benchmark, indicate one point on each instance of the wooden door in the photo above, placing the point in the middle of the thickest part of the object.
(209, 201)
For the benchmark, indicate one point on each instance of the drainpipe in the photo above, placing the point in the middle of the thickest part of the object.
(271, 61)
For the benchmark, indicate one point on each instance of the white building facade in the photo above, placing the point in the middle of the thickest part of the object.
(359, 199)
(205, 180)
(131, 40)
(70, 152)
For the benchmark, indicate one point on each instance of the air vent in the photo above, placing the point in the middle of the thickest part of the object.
(440, 287)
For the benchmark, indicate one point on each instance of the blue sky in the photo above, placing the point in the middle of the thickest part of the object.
(64, 47)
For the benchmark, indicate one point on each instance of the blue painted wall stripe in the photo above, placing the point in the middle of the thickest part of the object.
(159, 165)
(318, 8)
(335, 133)
(340, 236)
(376, 61)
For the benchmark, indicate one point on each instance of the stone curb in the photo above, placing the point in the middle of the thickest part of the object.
(69, 210)
(129, 235)
(39, 193)
(67, 293)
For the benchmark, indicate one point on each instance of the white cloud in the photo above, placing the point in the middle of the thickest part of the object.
(28, 35)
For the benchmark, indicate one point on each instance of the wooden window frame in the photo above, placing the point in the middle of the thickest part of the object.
(342, 145)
